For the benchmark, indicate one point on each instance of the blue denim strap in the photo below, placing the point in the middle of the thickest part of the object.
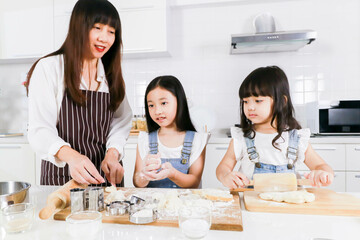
(153, 142)
(251, 149)
(292, 150)
(186, 150)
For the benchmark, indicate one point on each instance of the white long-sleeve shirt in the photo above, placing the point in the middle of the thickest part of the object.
(46, 92)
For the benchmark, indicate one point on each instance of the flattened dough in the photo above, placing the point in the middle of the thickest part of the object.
(301, 196)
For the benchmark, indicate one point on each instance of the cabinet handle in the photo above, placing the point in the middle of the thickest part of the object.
(221, 148)
(357, 149)
(357, 176)
(138, 50)
(10, 147)
(326, 149)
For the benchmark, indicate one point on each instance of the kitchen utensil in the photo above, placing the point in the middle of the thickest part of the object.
(17, 217)
(327, 202)
(59, 199)
(95, 199)
(77, 198)
(142, 215)
(12, 192)
(194, 221)
(275, 182)
(117, 208)
(84, 225)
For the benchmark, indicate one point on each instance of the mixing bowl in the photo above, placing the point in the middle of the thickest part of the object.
(12, 192)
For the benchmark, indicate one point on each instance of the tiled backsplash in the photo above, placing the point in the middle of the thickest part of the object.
(199, 38)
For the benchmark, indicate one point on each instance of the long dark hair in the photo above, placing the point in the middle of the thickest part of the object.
(173, 85)
(272, 82)
(85, 14)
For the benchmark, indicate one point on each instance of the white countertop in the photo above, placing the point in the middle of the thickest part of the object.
(256, 226)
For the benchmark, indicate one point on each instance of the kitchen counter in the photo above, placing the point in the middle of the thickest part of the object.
(256, 226)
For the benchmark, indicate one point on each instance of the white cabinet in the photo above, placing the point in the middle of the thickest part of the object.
(353, 181)
(214, 154)
(144, 27)
(353, 157)
(17, 163)
(129, 163)
(333, 154)
(26, 29)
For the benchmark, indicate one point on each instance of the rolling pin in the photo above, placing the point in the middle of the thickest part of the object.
(59, 199)
(274, 182)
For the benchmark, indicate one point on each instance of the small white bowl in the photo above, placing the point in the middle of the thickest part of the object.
(18, 218)
(84, 224)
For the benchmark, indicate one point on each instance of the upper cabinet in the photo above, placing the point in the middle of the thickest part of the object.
(30, 29)
(144, 27)
(26, 29)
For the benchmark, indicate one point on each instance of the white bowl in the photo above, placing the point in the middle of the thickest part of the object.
(84, 224)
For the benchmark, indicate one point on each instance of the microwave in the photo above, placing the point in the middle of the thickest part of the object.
(334, 118)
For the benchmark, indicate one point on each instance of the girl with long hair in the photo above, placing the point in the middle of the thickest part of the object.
(270, 139)
(79, 116)
(172, 154)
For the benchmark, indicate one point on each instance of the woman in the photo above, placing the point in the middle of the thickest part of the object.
(79, 116)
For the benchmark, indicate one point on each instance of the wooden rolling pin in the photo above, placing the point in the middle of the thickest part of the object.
(274, 182)
(59, 199)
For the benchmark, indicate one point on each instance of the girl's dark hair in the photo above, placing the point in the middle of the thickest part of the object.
(173, 85)
(85, 14)
(272, 82)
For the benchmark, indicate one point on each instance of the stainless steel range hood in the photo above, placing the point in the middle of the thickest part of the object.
(266, 39)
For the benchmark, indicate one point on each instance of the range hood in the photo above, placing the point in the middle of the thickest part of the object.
(266, 39)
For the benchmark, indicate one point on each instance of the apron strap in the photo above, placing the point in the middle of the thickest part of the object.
(153, 142)
(251, 149)
(292, 150)
(186, 150)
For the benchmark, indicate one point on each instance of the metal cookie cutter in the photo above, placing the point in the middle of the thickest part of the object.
(77, 199)
(143, 216)
(95, 199)
(117, 208)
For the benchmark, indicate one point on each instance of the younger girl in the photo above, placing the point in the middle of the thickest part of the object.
(270, 140)
(172, 154)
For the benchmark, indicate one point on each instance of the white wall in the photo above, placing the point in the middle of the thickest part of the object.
(200, 39)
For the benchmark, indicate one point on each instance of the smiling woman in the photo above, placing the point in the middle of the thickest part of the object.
(79, 116)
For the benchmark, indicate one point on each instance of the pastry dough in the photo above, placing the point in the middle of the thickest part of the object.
(115, 196)
(215, 194)
(301, 196)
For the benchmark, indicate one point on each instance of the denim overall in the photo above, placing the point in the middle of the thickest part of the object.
(181, 164)
(291, 154)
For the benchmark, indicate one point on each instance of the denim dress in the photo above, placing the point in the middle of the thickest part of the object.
(181, 164)
(292, 154)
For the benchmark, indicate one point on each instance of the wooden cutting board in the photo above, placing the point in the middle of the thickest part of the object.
(224, 217)
(327, 202)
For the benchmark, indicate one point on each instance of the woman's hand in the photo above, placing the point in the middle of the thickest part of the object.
(81, 168)
(113, 170)
(319, 178)
(234, 180)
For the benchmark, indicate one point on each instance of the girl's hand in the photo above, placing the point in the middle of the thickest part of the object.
(83, 170)
(167, 171)
(152, 164)
(234, 180)
(113, 170)
(319, 178)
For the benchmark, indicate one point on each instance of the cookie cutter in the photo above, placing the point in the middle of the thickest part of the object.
(143, 215)
(117, 208)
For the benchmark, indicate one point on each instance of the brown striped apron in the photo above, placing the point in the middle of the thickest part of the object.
(86, 129)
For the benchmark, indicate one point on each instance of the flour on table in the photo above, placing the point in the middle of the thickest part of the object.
(301, 196)
(215, 194)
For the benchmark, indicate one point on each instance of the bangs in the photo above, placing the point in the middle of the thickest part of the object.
(256, 86)
(103, 12)
(108, 19)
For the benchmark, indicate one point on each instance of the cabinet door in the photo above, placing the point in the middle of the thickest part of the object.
(129, 164)
(144, 26)
(214, 154)
(62, 13)
(353, 157)
(17, 163)
(333, 154)
(26, 29)
(353, 181)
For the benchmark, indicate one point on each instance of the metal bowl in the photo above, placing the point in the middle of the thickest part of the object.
(13, 192)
